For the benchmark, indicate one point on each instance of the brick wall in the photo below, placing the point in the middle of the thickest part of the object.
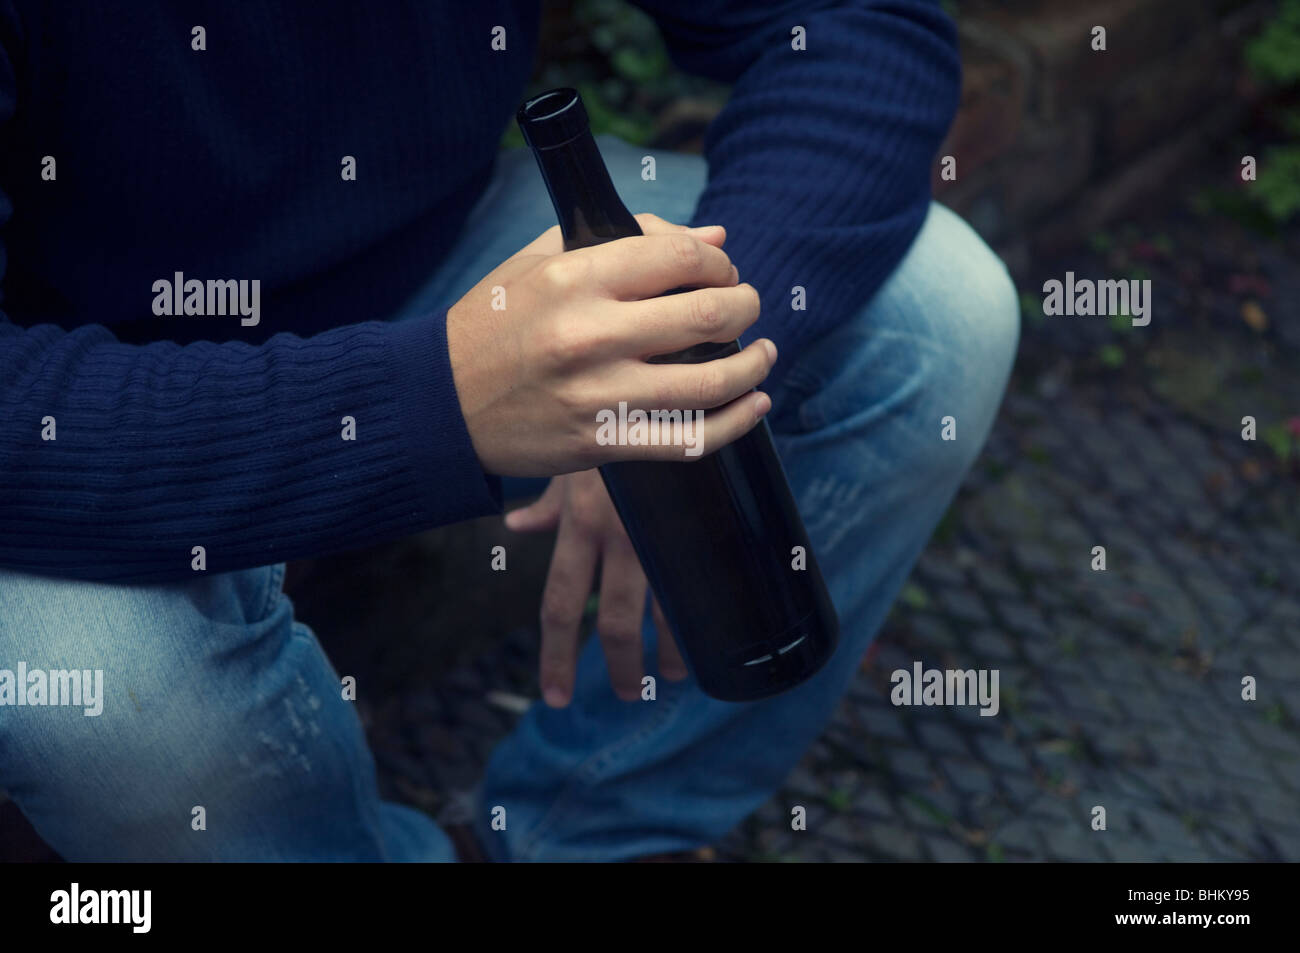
(1054, 139)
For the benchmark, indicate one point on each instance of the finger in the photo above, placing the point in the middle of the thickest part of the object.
(542, 514)
(618, 621)
(652, 224)
(675, 322)
(697, 386)
(643, 266)
(568, 583)
(732, 422)
(671, 664)
(551, 241)
(692, 439)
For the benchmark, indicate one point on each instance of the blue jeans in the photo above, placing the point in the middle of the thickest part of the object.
(215, 697)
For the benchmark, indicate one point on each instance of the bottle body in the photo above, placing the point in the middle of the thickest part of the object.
(720, 538)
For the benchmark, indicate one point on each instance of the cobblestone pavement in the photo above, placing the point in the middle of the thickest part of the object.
(1119, 688)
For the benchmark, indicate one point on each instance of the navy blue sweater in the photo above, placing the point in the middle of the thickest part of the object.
(127, 156)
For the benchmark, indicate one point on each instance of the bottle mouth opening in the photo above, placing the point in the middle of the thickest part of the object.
(549, 105)
(553, 118)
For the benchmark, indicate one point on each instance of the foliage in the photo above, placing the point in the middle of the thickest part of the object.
(1111, 356)
(614, 55)
(1031, 307)
(1277, 189)
(1278, 437)
(1274, 55)
(914, 597)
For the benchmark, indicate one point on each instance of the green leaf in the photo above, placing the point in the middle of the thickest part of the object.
(914, 597)
(639, 66)
(1031, 306)
(838, 800)
(1112, 356)
(1279, 440)
(512, 138)
(1274, 55)
(1278, 187)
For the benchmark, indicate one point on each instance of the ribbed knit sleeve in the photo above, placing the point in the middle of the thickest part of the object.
(119, 461)
(819, 164)
(240, 449)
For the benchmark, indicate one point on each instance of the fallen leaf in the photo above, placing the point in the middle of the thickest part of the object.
(1254, 315)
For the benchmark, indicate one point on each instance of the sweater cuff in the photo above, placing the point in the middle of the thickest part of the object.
(437, 442)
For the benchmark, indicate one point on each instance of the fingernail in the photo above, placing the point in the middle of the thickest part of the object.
(555, 696)
(513, 519)
(771, 350)
(762, 404)
(703, 228)
(735, 273)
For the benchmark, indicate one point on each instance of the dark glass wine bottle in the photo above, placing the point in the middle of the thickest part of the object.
(716, 536)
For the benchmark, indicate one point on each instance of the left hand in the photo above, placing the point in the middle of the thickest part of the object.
(590, 532)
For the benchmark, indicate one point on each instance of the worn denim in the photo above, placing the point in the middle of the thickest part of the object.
(216, 697)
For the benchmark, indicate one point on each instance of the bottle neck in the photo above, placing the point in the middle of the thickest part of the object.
(586, 203)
